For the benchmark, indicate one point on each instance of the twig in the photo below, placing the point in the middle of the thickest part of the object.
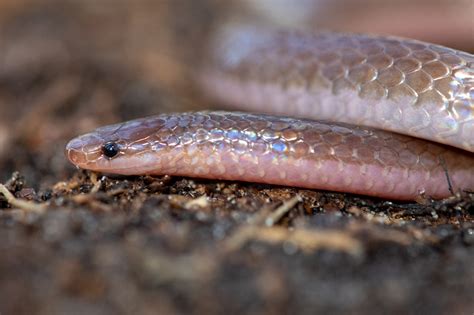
(21, 204)
(276, 215)
(200, 202)
(97, 183)
(305, 239)
(448, 178)
(89, 199)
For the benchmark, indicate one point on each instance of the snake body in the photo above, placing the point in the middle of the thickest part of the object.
(400, 85)
(361, 100)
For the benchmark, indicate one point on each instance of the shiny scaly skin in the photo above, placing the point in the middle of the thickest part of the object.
(405, 86)
(277, 150)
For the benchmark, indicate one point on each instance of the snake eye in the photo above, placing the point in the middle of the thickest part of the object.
(110, 149)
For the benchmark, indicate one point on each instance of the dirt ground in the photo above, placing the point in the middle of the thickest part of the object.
(74, 242)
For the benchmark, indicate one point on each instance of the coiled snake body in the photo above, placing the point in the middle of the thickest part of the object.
(364, 105)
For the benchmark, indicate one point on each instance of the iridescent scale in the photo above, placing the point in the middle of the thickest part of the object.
(406, 86)
(278, 150)
(400, 86)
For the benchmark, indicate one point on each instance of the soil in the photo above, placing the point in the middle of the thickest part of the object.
(80, 242)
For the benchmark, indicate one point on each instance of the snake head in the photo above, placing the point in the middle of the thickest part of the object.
(120, 149)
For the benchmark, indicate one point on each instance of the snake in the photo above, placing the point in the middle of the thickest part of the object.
(372, 115)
